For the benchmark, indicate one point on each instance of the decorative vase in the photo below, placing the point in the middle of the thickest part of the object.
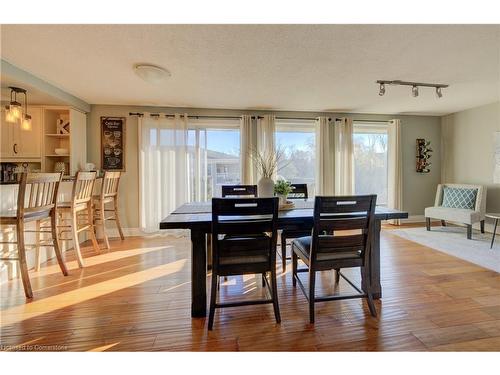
(265, 188)
(282, 199)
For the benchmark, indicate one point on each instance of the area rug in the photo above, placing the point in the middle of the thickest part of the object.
(452, 241)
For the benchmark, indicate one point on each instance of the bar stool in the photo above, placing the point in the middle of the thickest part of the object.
(79, 210)
(108, 195)
(39, 204)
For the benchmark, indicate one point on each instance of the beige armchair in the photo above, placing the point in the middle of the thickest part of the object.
(459, 211)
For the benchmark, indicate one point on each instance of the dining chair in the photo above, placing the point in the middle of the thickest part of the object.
(36, 202)
(108, 196)
(299, 191)
(239, 190)
(244, 236)
(78, 213)
(348, 223)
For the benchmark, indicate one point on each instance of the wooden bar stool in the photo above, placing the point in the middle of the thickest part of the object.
(79, 211)
(36, 201)
(108, 195)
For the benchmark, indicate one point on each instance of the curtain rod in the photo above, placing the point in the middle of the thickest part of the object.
(369, 121)
(192, 116)
(293, 118)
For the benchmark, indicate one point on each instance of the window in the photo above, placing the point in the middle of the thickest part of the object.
(214, 157)
(297, 139)
(370, 160)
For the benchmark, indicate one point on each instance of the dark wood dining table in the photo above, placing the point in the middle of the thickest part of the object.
(197, 217)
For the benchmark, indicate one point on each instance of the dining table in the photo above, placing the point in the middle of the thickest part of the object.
(197, 217)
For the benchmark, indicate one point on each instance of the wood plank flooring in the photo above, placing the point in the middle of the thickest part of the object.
(136, 297)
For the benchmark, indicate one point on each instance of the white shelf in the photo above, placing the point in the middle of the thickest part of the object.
(57, 135)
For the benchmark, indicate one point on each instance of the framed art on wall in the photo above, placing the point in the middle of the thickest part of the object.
(113, 143)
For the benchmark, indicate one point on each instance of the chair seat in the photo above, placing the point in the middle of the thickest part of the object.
(302, 246)
(460, 215)
(67, 206)
(97, 199)
(243, 259)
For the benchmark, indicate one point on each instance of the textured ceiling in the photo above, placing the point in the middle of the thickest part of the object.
(281, 67)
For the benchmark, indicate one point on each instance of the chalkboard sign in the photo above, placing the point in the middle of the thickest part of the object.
(113, 143)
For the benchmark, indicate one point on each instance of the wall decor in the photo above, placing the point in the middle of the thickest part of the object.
(424, 153)
(496, 173)
(63, 125)
(113, 143)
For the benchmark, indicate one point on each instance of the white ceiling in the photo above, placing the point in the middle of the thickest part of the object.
(280, 67)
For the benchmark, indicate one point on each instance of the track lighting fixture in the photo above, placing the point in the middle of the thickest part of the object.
(414, 86)
(382, 89)
(414, 91)
(438, 92)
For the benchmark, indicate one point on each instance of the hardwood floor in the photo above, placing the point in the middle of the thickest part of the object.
(137, 297)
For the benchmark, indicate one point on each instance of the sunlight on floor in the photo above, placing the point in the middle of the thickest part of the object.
(39, 307)
(103, 348)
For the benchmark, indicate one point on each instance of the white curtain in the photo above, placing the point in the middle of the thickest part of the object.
(325, 157)
(395, 168)
(344, 157)
(266, 129)
(163, 168)
(247, 147)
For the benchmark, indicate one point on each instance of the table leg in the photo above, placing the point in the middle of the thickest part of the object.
(198, 274)
(375, 262)
(494, 233)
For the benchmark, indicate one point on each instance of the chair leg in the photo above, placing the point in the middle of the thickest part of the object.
(117, 220)
(494, 234)
(312, 284)
(428, 223)
(337, 275)
(275, 295)
(443, 223)
(469, 232)
(57, 249)
(294, 268)
(283, 252)
(76, 243)
(482, 226)
(263, 280)
(21, 250)
(103, 223)
(91, 228)
(368, 291)
(37, 245)
(213, 300)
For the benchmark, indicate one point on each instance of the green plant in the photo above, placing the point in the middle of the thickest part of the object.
(282, 187)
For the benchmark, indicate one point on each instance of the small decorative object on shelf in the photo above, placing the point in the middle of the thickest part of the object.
(282, 188)
(59, 167)
(63, 124)
(424, 153)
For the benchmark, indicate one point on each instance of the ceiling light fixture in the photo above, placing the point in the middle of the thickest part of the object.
(151, 73)
(414, 86)
(438, 92)
(414, 91)
(381, 92)
(14, 111)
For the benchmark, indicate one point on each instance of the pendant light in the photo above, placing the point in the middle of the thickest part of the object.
(14, 111)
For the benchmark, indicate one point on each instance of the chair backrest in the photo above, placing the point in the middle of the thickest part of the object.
(343, 224)
(110, 182)
(480, 204)
(37, 193)
(239, 190)
(299, 191)
(240, 217)
(83, 187)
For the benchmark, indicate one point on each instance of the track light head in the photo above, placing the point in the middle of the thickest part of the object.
(381, 92)
(439, 93)
(414, 91)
